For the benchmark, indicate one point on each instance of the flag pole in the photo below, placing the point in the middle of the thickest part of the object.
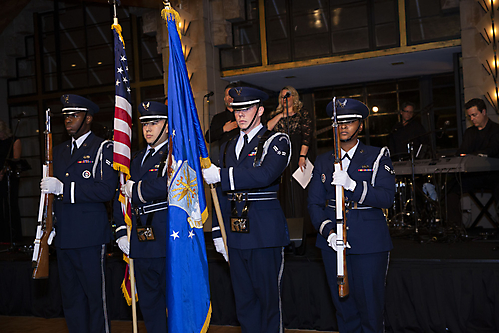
(132, 281)
(214, 195)
(128, 227)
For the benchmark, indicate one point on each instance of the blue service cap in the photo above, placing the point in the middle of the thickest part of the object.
(152, 111)
(246, 97)
(74, 103)
(348, 110)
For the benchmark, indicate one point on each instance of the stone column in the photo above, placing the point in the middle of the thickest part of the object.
(478, 83)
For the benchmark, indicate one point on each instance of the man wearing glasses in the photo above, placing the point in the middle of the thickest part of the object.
(251, 165)
(406, 131)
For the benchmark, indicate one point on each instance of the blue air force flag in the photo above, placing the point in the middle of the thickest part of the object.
(189, 306)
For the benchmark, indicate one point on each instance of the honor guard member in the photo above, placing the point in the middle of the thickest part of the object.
(368, 180)
(250, 172)
(148, 190)
(84, 180)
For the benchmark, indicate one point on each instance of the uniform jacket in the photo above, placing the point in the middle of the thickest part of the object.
(372, 169)
(268, 226)
(81, 213)
(152, 189)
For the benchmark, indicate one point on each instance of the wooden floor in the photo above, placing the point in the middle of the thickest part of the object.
(58, 325)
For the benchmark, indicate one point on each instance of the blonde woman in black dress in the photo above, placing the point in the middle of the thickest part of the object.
(295, 121)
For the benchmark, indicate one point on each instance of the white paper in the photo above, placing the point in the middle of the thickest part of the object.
(303, 178)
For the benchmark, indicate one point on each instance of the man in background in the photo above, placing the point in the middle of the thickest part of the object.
(481, 139)
(407, 130)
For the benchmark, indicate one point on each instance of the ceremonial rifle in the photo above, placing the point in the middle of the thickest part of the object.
(341, 221)
(40, 261)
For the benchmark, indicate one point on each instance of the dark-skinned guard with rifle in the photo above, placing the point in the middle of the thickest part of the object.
(83, 181)
(355, 242)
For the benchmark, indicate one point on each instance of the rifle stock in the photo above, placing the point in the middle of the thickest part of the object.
(341, 221)
(40, 261)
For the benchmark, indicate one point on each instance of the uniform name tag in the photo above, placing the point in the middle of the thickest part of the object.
(145, 233)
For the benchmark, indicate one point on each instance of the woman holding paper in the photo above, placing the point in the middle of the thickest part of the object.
(291, 118)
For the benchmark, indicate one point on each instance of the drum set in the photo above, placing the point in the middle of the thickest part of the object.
(416, 209)
(419, 208)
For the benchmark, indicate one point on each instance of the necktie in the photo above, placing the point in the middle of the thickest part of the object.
(75, 148)
(345, 161)
(150, 152)
(245, 141)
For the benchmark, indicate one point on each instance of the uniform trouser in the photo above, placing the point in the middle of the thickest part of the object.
(256, 279)
(150, 275)
(362, 310)
(81, 273)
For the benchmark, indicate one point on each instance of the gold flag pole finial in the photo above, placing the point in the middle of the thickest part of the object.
(115, 24)
(168, 13)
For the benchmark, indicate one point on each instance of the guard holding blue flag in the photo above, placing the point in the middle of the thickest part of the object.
(368, 180)
(84, 180)
(148, 190)
(250, 171)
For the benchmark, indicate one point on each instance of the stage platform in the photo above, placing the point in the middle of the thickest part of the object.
(432, 286)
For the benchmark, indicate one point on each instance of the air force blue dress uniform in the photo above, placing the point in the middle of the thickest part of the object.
(149, 209)
(255, 245)
(367, 231)
(82, 224)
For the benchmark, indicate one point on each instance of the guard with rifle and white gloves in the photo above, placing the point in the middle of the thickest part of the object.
(83, 181)
(367, 181)
(250, 171)
(147, 189)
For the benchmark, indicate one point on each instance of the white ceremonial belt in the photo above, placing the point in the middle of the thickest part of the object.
(253, 196)
(350, 205)
(147, 209)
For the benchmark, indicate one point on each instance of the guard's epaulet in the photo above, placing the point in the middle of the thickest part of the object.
(264, 144)
(98, 156)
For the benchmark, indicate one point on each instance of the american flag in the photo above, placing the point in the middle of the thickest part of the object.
(122, 133)
(122, 108)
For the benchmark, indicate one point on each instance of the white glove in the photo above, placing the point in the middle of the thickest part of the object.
(342, 178)
(331, 240)
(51, 237)
(211, 175)
(219, 246)
(127, 188)
(52, 185)
(123, 244)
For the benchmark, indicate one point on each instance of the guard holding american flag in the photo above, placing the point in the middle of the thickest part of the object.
(368, 180)
(147, 189)
(84, 179)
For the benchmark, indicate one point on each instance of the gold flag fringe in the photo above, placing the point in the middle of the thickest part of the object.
(168, 13)
(118, 29)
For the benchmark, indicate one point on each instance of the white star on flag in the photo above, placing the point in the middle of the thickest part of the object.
(191, 234)
(122, 58)
(118, 82)
(125, 80)
(175, 235)
(120, 70)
